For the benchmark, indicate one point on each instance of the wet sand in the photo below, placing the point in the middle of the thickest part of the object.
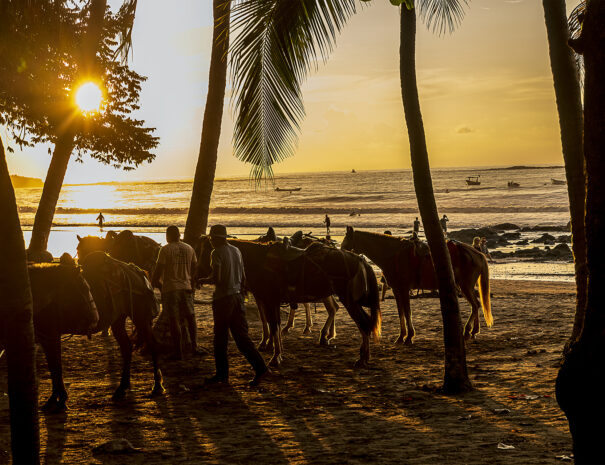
(318, 408)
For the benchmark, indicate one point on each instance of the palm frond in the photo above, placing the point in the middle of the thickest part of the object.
(277, 43)
(575, 21)
(441, 15)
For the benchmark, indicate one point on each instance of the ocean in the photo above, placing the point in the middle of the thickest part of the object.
(370, 200)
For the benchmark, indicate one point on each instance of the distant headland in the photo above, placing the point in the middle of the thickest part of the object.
(24, 181)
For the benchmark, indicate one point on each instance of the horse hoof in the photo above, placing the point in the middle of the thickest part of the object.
(262, 347)
(286, 330)
(323, 342)
(275, 362)
(398, 341)
(158, 391)
(361, 364)
(307, 331)
(119, 394)
(409, 342)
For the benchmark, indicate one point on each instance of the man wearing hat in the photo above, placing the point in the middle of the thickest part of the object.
(228, 308)
(174, 274)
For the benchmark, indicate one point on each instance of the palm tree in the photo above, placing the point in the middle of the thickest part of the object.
(65, 143)
(566, 80)
(276, 46)
(197, 218)
(17, 331)
(582, 375)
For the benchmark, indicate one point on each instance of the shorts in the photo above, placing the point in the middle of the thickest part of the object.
(178, 304)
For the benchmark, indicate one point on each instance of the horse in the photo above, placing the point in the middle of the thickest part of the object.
(89, 244)
(276, 273)
(407, 265)
(328, 331)
(122, 290)
(63, 304)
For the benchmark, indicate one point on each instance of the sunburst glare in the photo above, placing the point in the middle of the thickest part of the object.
(89, 97)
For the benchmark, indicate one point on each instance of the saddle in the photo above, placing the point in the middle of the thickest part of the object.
(291, 253)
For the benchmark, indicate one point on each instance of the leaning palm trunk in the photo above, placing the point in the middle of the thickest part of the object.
(65, 144)
(455, 375)
(17, 331)
(197, 218)
(582, 377)
(569, 104)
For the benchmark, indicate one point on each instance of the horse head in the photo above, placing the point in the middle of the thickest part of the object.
(89, 244)
(349, 241)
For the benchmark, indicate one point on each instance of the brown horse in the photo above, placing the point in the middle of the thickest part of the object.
(407, 265)
(123, 291)
(63, 304)
(276, 274)
(328, 332)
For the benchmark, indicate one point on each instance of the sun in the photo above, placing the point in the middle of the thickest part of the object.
(89, 97)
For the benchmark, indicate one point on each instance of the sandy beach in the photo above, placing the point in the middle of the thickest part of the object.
(318, 408)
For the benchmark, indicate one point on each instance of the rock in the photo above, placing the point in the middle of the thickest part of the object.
(505, 226)
(564, 238)
(116, 446)
(511, 235)
(561, 251)
(467, 235)
(545, 239)
(549, 228)
(522, 242)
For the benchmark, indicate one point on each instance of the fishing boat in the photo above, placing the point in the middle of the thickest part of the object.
(288, 189)
(558, 182)
(473, 181)
(512, 184)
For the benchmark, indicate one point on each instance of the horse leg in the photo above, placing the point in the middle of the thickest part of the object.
(262, 346)
(471, 328)
(399, 297)
(290, 323)
(146, 332)
(118, 328)
(308, 321)
(328, 331)
(355, 311)
(407, 311)
(58, 397)
(332, 308)
(274, 323)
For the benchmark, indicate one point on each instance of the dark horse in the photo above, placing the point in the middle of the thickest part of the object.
(123, 291)
(407, 265)
(63, 304)
(276, 273)
(124, 246)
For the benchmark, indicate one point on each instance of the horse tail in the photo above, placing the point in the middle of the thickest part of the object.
(374, 303)
(484, 292)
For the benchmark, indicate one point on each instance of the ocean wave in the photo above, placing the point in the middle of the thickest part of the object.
(301, 210)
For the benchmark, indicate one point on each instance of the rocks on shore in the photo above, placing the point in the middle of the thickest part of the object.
(558, 252)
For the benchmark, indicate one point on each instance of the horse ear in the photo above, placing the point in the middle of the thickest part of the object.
(79, 238)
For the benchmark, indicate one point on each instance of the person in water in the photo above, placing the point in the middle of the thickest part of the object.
(100, 219)
(327, 223)
(443, 222)
(416, 227)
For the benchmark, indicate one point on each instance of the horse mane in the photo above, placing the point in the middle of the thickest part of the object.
(53, 269)
(385, 238)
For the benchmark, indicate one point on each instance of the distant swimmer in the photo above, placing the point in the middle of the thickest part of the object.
(327, 223)
(100, 219)
(443, 222)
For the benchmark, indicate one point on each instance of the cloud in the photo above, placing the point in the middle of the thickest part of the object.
(464, 130)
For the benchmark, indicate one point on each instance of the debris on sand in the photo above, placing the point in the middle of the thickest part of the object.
(503, 446)
(116, 446)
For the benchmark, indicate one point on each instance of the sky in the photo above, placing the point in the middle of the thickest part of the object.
(486, 95)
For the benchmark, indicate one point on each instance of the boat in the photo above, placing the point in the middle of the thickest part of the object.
(558, 182)
(353, 171)
(288, 189)
(512, 184)
(473, 181)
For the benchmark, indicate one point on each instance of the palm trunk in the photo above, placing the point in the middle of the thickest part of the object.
(65, 143)
(569, 104)
(17, 327)
(455, 375)
(197, 218)
(582, 377)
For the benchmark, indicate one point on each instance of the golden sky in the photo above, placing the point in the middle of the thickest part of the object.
(486, 94)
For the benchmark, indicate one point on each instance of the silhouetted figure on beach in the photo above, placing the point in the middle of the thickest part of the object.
(228, 310)
(100, 219)
(416, 227)
(443, 222)
(327, 223)
(175, 269)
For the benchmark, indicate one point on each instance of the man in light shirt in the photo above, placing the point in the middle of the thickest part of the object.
(174, 274)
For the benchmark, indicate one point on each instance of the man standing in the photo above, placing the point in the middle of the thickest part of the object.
(443, 221)
(100, 219)
(228, 308)
(327, 223)
(174, 274)
(416, 227)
